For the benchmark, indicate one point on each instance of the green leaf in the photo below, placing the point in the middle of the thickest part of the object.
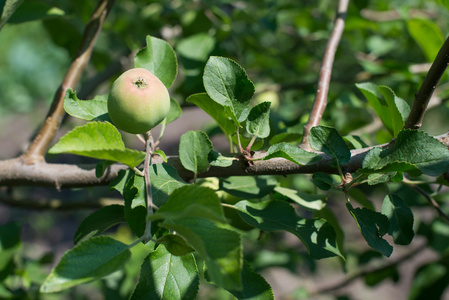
(194, 148)
(159, 58)
(316, 234)
(323, 181)
(132, 187)
(164, 180)
(165, 276)
(375, 99)
(373, 226)
(258, 123)
(34, 10)
(430, 281)
(327, 140)
(99, 221)
(355, 142)
(99, 140)
(427, 35)
(91, 110)
(399, 109)
(215, 110)
(309, 201)
(174, 112)
(411, 151)
(401, 219)
(228, 84)
(292, 153)
(255, 287)
(217, 160)
(175, 244)
(196, 47)
(161, 154)
(248, 187)
(9, 7)
(191, 201)
(10, 243)
(90, 260)
(220, 248)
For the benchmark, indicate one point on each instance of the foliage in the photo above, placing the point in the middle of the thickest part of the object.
(252, 69)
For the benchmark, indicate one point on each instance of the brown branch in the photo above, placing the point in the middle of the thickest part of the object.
(363, 272)
(320, 101)
(431, 201)
(423, 96)
(38, 147)
(58, 204)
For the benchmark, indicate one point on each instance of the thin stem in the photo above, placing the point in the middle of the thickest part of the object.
(39, 145)
(146, 169)
(238, 139)
(431, 201)
(320, 101)
(425, 92)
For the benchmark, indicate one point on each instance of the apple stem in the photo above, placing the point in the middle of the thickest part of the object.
(146, 169)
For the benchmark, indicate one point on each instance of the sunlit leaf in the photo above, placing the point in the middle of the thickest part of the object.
(90, 260)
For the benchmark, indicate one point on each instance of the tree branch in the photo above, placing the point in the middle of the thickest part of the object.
(38, 147)
(422, 97)
(363, 272)
(320, 101)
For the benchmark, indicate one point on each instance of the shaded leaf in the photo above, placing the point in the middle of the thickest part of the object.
(159, 58)
(220, 248)
(401, 219)
(255, 287)
(248, 187)
(165, 276)
(323, 181)
(373, 226)
(175, 244)
(99, 140)
(90, 260)
(10, 243)
(191, 201)
(99, 221)
(9, 7)
(292, 153)
(309, 201)
(327, 140)
(316, 234)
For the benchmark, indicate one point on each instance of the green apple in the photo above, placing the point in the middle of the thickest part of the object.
(138, 101)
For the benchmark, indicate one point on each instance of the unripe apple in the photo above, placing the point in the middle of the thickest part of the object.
(138, 101)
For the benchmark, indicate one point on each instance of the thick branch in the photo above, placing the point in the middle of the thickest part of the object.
(422, 97)
(320, 101)
(14, 173)
(39, 145)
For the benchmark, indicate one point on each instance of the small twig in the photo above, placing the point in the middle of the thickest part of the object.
(39, 145)
(58, 204)
(146, 170)
(423, 96)
(363, 272)
(320, 101)
(431, 201)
